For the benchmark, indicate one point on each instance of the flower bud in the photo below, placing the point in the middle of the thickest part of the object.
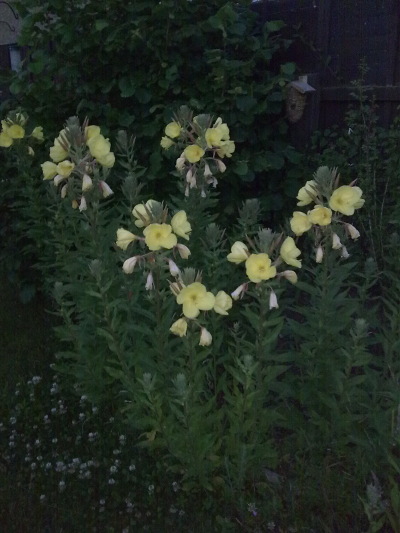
(149, 282)
(221, 165)
(180, 163)
(173, 268)
(205, 337)
(179, 327)
(74, 204)
(273, 300)
(82, 204)
(345, 254)
(353, 232)
(290, 275)
(336, 244)
(238, 293)
(58, 179)
(183, 250)
(207, 171)
(87, 183)
(64, 189)
(175, 288)
(105, 189)
(129, 264)
(319, 254)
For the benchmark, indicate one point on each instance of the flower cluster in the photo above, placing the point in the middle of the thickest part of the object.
(13, 129)
(204, 144)
(270, 251)
(330, 202)
(158, 235)
(194, 297)
(81, 153)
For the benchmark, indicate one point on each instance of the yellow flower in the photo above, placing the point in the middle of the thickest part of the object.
(239, 252)
(307, 193)
(173, 130)
(289, 252)
(195, 298)
(49, 170)
(159, 236)
(5, 140)
(179, 327)
(166, 143)
(124, 238)
(205, 337)
(346, 199)
(91, 131)
(65, 168)
(98, 146)
(107, 161)
(180, 225)
(37, 133)
(223, 302)
(299, 223)
(258, 268)
(213, 137)
(193, 153)
(57, 152)
(322, 216)
(140, 212)
(16, 131)
(226, 149)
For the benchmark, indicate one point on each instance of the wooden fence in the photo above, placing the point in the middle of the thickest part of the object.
(336, 35)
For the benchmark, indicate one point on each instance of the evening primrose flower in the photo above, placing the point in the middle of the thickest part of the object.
(346, 199)
(37, 133)
(98, 146)
(180, 225)
(179, 327)
(141, 213)
(91, 131)
(57, 152)
(321, 216)
(159, 236)
(289, 252)
(193, 153)
(166, 143)
(223, 302)
(15, 131)
(65, 168)
(258, 268)
(307, 193)
(299, 223)
(173, 130)
(49, 170)
(124, 238)
(195, 298)
(239, 252)
(205, 337)
(5, 140)
(213, 137)
(107, 161)
(226, 149)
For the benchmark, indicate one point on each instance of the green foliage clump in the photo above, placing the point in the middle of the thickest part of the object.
(130, 64)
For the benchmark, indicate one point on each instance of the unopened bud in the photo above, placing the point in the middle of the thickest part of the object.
(221, 165)
(353, 232)
(64, 189)
(273, 300)
(207, 171)
(173, 268)
(58, 179)
(336, 244)
(319, 254)
(129, 264)
(290, 275)
(82, 204)
(345, 254)
(87, 183)
(183, 250)
(205, 337)
(149, 282)
(105, 189)
(238, 293)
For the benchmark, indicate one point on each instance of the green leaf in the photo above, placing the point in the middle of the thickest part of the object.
(126, 87)
(101, 24)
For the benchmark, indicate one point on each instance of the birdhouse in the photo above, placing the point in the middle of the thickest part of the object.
(296, 98)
